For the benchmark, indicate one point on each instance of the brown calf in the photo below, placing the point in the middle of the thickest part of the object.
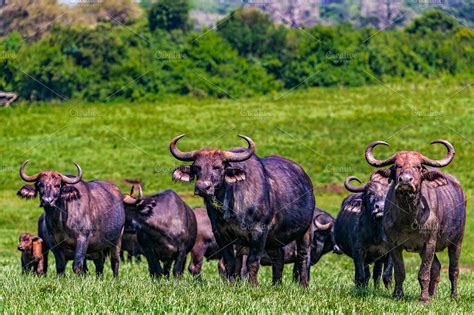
(32, 253)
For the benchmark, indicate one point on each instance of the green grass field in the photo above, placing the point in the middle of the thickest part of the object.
(324, 130)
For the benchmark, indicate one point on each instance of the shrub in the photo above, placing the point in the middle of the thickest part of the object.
(169, 15)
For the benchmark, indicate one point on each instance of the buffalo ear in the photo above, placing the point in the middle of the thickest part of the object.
(434, 178)
(382, 176)
(27, 192)
(183, 174)
(145, 207)
(69, 193)
(234, 174)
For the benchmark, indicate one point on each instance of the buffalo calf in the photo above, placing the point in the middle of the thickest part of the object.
(31, 253)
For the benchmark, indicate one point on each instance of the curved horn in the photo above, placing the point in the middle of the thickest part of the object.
(183, 156)
(26, 178)
(320, 226)
(130, 199)
(73, 180)
(241, 156)
(355, 189)
(369, 156)
(140, 192)
(445, 161)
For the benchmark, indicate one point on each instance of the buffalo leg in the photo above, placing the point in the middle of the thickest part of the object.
(366, 274)
(115, 255)
(179, 264)
(81, 249)
(256, 251)
(277, 259)
(24, 266)
(221, 267)
(122, 256)
(60, 262)
(240, 261)
(167, 267)
(387, 272)
(197, 258)
(427, 256)
(227, 251)
(434, 275)
(454, 251)
(154, 266)
(296, 274)
(303, 248)
(399, 270)
(99, 264)
(359, 276)
(45, 262)
(378, 266)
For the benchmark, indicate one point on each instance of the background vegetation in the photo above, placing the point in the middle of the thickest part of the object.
(324, 129)
(100, 53)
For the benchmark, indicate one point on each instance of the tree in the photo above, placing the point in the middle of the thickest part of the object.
(433, 21)
(252, 33)
(169, 15)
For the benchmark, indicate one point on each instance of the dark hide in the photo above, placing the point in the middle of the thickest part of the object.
(359, 233)
(166, 231)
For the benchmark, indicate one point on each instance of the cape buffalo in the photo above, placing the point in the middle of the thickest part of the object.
(263, 203)
(82, 219)
(359, 229)
(166, 230)
(425, 212)
(205, 245)
(31, 253)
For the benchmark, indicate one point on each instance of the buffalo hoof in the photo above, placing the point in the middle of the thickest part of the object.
(424, 298)
(455, 296)
(388, 284)
(398, 294)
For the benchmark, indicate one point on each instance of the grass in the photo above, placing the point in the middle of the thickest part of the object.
(324, 130)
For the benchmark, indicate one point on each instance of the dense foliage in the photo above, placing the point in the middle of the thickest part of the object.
(246, 55)
(169, 15)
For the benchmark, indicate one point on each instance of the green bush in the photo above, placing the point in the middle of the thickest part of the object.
(169, 15)
(247, 55)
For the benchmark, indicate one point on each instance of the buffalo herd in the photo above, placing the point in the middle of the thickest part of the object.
(258, 211)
